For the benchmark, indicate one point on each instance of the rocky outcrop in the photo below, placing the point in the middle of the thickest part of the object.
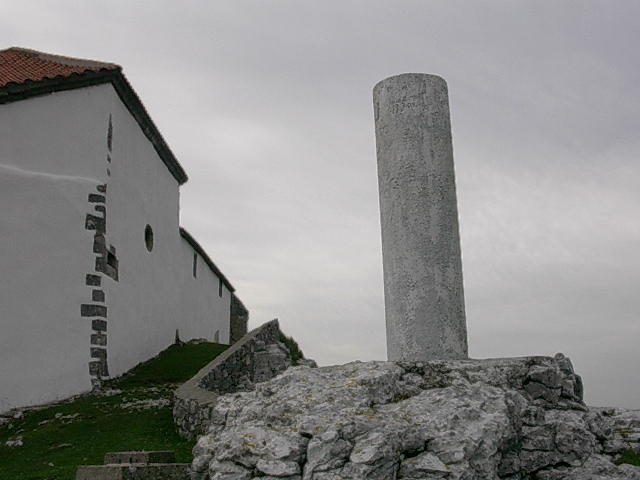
(518, 418)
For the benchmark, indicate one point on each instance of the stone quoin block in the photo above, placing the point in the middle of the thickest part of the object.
(99, 353)
(96, 223)
(97, 296)
(108, 265)
(98, 368)
(99, 339)
(96, 198)
(91, 310)
(99, 244)
(93, 280)
(98, 325)
(102, 188)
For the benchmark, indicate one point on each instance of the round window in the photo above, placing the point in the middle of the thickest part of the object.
(148, 237)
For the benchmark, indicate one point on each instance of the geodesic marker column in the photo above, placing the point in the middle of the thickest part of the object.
(424, 298)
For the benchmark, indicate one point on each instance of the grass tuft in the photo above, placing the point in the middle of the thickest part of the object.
(630, 457)
(294, 348)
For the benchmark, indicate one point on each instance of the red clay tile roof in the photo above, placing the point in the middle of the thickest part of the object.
(27, 73)
(20, 65)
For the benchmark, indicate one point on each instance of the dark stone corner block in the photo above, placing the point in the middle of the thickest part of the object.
(99, 326)
(97, 296)
(99, 353)
(91, 310)
(96, 223)
(99, 339)
(98, 368)
(93, 280)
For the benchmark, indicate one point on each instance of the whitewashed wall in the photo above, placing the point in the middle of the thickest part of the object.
(52, 155)
(44, 345)
(156, 293)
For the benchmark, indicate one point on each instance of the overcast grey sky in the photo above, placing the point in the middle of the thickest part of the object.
(267, 104)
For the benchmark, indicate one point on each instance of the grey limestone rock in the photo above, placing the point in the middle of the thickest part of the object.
(424, 465)
(619, 428)
(456, 419)
(595, 467)
(308, 362)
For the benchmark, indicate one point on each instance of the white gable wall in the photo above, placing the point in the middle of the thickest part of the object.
(44, 350)
(53, 154)
(194, 290)
(49, 162)
(156, 292)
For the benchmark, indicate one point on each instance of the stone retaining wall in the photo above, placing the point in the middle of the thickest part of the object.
(255, 358)
(239, 316)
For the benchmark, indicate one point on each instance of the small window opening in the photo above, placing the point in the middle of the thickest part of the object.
(195, 265)
(148, 237)
(219, 287)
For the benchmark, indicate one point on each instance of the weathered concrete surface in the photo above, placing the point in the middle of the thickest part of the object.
(162, 456)
(134, 471)
(424, 299)
(513, 418)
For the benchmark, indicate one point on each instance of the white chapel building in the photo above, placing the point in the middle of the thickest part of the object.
(96, 274)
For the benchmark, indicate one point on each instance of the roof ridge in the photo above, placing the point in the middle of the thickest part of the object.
(65, 60)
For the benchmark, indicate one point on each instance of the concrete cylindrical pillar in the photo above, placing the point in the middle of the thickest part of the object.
(424, 298)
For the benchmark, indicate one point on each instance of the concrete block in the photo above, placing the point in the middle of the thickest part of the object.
(162, 456)
(129, 471)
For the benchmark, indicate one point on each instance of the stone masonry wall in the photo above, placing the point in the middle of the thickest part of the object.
(257, 357)
(238, 320)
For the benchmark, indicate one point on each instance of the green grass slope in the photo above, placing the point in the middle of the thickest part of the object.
(630, 457)
(133, 413)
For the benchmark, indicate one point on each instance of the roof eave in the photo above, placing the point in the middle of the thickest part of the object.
(14, 92)
(196, 246)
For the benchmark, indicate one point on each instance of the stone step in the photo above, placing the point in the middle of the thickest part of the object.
(135, 471)
(162, 456)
